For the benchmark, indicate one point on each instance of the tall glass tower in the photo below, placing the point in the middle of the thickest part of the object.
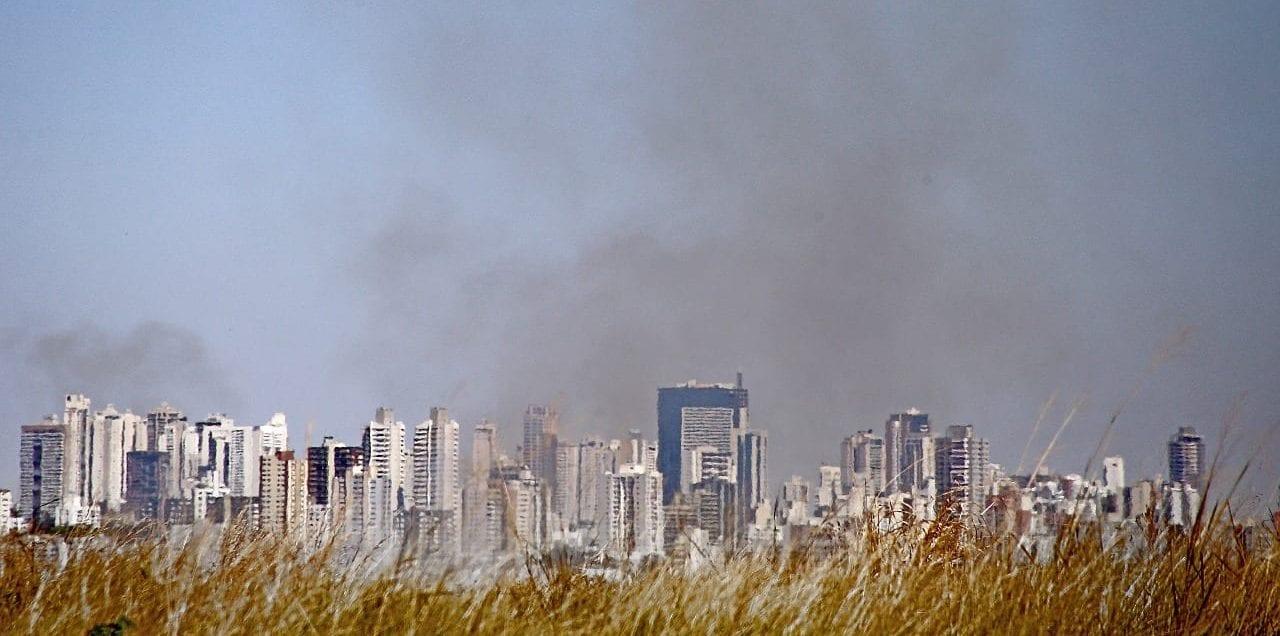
(692, 415)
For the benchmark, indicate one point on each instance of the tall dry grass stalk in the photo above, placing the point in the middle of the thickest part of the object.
(943, 579)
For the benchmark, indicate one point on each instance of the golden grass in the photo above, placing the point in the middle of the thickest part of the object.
(945, 580)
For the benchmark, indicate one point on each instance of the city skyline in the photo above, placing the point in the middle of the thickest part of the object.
(314, 211)
(640, 317)
(1158, 453)
(424, 464)
(609, 501)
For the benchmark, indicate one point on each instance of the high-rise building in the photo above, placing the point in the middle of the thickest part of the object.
(345, 459)
(75, 478)
(482, 501)
(680, 528)
(918, 463)
(595, 462)
(1113, 474)
(208, 449)
(243, 451)
(900, 427)
(1186, 458)
(1111, 497)
(635, 513)
(147, 476)
(95, 446)
(716, 511)
(388, 456)
(795, 501)
(564, 501)
(706, 462)
(192, 465)
(176, 440)
(110, 435)
(484, 450)
(692, 415)
(753, 477)
(508, 514)
(640, 451)
(138, 425)
(41, 468)
(158, 426)
(210, 432)
(1003, 513)
(863, 454)
(634, 447)
(962, 460)
(283, 494)
(541, 431)
(1181, 503)
(243, 446)
(274, 435)
(322, 470)
(206, 457)
(829, 490)
(437, 486)
(717, 465)
(203, 497)
(848, 448)
(523, 511)
(166, 430)
(349, 501)
(382, 515)
(485, 505)
(1141, 499)
(707, 428)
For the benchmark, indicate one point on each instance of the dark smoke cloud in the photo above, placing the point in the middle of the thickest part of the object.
(150, 363)
(848, 205)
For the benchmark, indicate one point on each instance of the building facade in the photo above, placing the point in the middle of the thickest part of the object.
(692, 415)
(1186, 458)
(541, 434)
(898, 428)
(961, 469)
(387, 455)
(283, 495)
(635, 513)
(437, 485)
(41, 455)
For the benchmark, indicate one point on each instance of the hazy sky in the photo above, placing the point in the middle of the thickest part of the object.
(964, 209)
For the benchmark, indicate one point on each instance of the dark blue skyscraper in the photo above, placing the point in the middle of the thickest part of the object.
(692, 415)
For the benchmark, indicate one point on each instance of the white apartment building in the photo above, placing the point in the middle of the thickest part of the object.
(274, 435)
(596, 461)
(829, 490)
(387, 455)
(75, 421)
(243, 467)
(112, 435)
(565, 500)
(437, 484)
(635, 519)
(283, 495)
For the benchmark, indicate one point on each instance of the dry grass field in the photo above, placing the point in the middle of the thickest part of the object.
(945, 580)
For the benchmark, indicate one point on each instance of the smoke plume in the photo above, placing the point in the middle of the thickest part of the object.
(150, 363)
(845, 204)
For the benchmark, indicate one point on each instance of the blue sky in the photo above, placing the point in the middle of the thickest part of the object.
(319, 210)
